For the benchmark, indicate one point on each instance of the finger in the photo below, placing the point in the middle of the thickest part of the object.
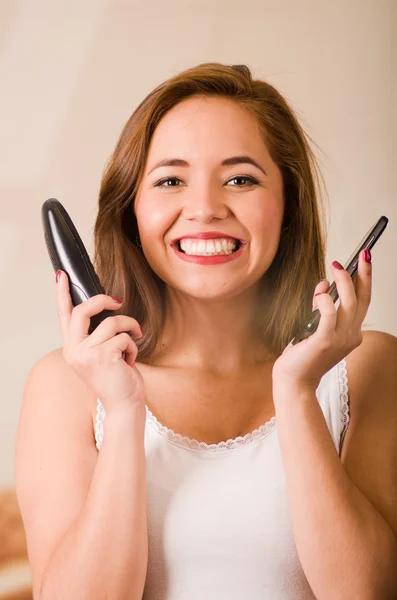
(328, 317)
(80, 319)
(122, 347)
(65, 304)
(112, 326)
(346, 312)
(363, 288)
(321, 287)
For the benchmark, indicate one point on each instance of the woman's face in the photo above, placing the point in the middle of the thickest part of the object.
(201, 194)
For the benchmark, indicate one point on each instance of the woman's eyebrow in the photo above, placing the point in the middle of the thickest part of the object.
(234, 160)
(237, 160)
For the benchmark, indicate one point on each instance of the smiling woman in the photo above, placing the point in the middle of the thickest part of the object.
(272, 158)
(208, 457)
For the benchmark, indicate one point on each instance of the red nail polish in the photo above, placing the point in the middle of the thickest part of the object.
(117, 299)
(367, 255)
(58, 275)
(337, 265)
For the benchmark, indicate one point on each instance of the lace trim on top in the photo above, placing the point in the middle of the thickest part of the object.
(231, 444)
(184, 441)
(192, 444)
(344, 398)
(99, 418)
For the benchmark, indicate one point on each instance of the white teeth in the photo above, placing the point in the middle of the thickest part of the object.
(208, 247)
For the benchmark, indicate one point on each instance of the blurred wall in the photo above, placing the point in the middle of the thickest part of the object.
(71, 74)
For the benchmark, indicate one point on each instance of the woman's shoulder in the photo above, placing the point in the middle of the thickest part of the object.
(54, 361)
(51, 370)
(369, 453)
(372, 374)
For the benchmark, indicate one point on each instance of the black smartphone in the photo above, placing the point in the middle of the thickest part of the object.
(67, 252)
(368, 241)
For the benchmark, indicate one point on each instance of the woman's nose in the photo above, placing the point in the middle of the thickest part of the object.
(205, 203)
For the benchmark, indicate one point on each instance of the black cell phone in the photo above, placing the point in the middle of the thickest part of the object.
(67, 252)
(368, 241)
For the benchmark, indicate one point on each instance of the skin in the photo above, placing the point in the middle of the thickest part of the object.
(204, 300)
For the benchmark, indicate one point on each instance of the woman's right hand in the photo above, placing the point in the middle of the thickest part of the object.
(103, 360)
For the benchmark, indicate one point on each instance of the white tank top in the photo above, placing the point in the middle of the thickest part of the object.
(219, 522)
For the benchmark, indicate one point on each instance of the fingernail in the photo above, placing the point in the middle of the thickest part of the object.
(337, 265)
(367, 255)
(117, 299)
(58, 275)
(318, 294)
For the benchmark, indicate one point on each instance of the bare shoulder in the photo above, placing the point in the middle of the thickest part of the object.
(55, 455)
(372, 374)
(52, 388)
(369, 452)
(53, 367)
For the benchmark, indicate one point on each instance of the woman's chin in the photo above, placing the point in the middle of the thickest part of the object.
(210, 289)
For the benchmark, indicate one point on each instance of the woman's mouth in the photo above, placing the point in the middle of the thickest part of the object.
(214, 247)
(208, 252)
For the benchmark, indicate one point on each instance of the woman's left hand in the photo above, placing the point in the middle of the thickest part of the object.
(338, 332)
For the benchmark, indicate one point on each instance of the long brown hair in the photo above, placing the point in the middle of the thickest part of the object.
(288, 285)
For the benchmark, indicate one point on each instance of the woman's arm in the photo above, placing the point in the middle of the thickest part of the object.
(344, 516)
(84, 513)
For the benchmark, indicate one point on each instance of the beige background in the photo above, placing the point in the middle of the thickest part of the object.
(72, 72)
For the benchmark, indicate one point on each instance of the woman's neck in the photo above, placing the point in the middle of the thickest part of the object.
(211, 334)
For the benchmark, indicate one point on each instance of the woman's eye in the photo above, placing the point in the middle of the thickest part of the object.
(242, 181)
(247, 178)
(162, 182)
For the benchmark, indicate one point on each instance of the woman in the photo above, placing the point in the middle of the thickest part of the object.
(218, 469)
